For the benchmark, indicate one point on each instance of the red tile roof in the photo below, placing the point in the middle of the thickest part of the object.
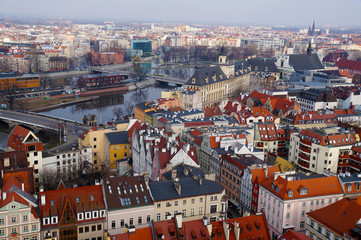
(78, 198)
(345, 214)
(349, 64)
(293, 235)
(315, 187)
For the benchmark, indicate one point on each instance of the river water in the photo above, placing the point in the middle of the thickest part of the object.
(104, 106)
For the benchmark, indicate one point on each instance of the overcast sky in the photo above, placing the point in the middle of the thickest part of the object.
(238, 12)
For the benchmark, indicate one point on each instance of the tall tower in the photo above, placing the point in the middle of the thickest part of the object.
(313, 27)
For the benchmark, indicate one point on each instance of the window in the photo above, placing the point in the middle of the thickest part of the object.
(193, 201)
(176, 203)
(34, 227)
(168, 204)
(158, 216)
(140, 221)
(131, 221)
(94, 228)
(2, 232)
(81, 230)
(13, 230)
(148, 218)
(99, 227)
(303, 213)
(192, 211)
(200, 212)
(158, 205)
(13, 219)
(287, 215)
(302, 225)
(184, 202)
(2, 220)
(113, 224)
(26, 229)
(213, 209)
(95, 139)
(184, 212)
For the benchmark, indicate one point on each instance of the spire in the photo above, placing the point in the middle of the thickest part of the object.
(309, 49)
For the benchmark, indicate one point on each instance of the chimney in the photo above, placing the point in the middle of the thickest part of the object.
(4, 195)
(41, 188)
(200, 181)
(174, 174)
(43, 200)
(186, 171)
(266, 172)
(177, 187)
(226, 230)
(205, 221)
(22, 186)
(237, 230)
(178, 220)
(96, 182)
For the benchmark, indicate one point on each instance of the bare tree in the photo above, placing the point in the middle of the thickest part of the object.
(129, 107)
(49, 179)
(118, 112)
(45, 81)
(138, 72)
(8, 91)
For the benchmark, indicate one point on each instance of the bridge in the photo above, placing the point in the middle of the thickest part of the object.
(40, 121)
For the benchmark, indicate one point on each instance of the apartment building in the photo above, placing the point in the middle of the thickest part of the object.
(269, 139)
(68, 163)
(194, 198)
(287, 197)
(318, 149)
(117, 148)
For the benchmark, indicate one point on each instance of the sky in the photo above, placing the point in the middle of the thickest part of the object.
(300, 13)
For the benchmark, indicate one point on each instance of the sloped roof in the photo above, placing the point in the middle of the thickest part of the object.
(22, 175)
(17, 159)
(165, 190)
(319, 186)
(79, 199)
(293, 235)
(305, 62)
(345, 214)
(349, 64)
(126, 192)
(262, 65)
(206, 76)
(115, 138)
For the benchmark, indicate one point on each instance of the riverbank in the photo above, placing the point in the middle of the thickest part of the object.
(40, 104)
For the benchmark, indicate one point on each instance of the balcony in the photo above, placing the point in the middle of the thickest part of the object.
(344, 156)
(281, 144)
(355, 158)
(306, 142)
(355, 166)
(260, 145)
(304, 149)
(304, 157)
(303, 164)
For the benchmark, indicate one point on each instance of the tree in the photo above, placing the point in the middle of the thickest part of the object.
(8, 92)
(138, 72)
(45, 81)
(129, 107)
(118, 112)
(49, 179)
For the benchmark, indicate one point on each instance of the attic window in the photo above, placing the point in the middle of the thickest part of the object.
(290, 194)
(52, 203)
(145, 199)
(91, 198)
(193, 80)
(77, 199)
(303, 191)
(137, 199)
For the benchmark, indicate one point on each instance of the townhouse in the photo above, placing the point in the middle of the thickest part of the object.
(286, 198)
(194, 198)
(77, 213)
(340, 220)
(128, 202)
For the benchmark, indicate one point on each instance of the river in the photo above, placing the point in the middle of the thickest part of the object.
(104, 106)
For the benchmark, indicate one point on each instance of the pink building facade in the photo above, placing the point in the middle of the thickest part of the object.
(287, 197)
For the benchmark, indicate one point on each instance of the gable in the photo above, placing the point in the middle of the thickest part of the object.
(182, 157)
(67, 216)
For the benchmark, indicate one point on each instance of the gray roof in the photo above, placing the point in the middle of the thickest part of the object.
(165, 190)
(192, 171)
(305, 61)
(206, 76)
(117, 137)
(263, 65)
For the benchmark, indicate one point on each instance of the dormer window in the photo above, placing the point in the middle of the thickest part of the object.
(277, 189)
(290, 194)
(87, 215)
(80, 216)
(46, 221)
(273, 186)
(95, 214)
(91, 198)
(54, 220)
(303, 191)
(102, 213)
(77, 199)
(349, 187)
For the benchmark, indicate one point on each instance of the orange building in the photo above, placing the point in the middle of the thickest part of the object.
(25, 81)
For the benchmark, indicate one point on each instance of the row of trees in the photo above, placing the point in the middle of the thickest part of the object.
(203, 53)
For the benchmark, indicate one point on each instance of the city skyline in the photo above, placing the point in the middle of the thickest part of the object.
(230, 12)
